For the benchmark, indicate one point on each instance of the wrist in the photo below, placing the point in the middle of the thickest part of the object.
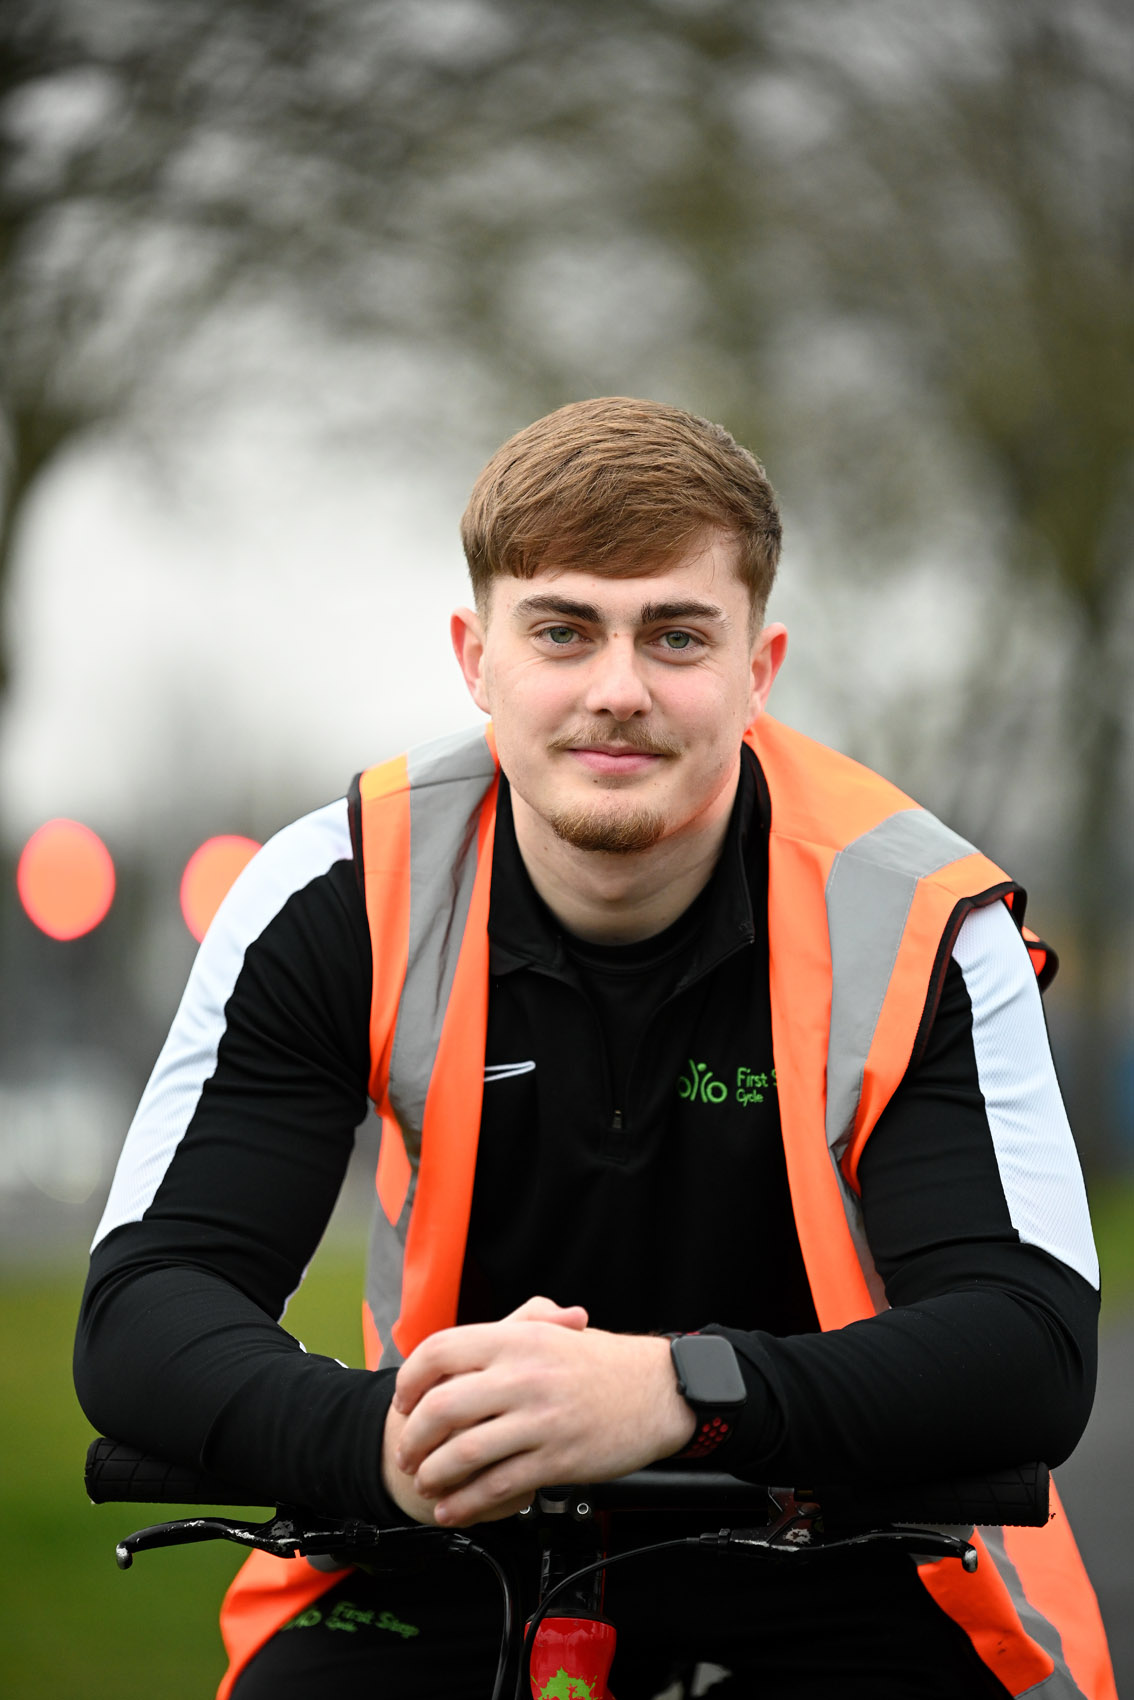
(674, 1420)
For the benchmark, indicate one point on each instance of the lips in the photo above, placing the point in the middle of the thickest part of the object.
(636, 750)
(599, 759)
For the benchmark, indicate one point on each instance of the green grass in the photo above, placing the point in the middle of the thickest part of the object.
(72, 1624)
(1112, 1212)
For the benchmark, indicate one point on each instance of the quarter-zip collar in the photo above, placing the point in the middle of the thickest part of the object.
(523, 933)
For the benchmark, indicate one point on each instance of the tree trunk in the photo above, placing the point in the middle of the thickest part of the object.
(1097, 876)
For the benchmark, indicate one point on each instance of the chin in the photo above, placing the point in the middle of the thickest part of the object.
(601, 830)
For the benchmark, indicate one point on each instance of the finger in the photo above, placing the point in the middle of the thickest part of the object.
(449, 1352)
(455, 1406)
(457, 1517)
(546, 1310)
(471, 1451)
(500, 1492)
(458, 1351)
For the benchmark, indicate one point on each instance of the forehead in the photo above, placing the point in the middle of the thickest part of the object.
(706, 575)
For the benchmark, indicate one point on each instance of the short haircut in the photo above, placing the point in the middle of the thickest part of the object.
(617, 486)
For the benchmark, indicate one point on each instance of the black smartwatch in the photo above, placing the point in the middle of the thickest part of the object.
(710, 1382)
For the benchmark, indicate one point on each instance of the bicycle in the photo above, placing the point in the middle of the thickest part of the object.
(571, 1652)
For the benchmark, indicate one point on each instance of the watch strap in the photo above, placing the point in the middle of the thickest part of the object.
(714, 1401)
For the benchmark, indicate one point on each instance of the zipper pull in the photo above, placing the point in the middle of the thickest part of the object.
(616, 1124)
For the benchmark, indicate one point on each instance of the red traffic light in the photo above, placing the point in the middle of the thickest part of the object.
(65, 878)
(209, 872)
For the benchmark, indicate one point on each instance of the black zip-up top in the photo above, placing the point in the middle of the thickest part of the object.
(630, 1111)
(629, 1160)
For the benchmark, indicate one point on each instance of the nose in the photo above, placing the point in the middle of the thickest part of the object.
(616, 685)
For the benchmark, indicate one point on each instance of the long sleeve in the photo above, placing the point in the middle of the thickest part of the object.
(976, 1215)
(226, 1181)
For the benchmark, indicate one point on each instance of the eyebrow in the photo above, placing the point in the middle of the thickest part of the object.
(652, 613)
(558, 605)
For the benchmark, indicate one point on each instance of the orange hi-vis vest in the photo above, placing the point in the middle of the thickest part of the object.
(866, 892)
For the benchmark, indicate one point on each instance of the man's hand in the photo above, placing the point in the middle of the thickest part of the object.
(485, 1414)
(401, 1486)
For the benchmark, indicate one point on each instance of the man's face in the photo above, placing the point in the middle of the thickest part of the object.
(619, 703)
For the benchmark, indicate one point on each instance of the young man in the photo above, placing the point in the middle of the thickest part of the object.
(677, 1023)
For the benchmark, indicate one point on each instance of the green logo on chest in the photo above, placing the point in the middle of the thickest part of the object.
(701, 1084)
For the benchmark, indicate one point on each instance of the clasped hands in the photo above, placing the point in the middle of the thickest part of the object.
(485, 1414)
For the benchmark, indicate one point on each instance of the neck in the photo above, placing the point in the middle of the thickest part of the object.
(619, 899)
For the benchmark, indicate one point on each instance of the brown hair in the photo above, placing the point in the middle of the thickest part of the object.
(613, 485)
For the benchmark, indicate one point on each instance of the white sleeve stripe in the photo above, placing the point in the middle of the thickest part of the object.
(1035, 1152)
(287, 863)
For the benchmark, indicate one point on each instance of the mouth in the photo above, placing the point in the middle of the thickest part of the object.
(615, 758)
(633, 751)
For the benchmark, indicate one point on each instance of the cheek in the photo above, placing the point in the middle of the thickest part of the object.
(524, 717)
(716, 715)
(530, 697)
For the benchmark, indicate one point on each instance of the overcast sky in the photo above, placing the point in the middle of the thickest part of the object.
(273, 629)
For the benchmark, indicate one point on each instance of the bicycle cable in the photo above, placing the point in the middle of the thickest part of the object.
(461, 1543)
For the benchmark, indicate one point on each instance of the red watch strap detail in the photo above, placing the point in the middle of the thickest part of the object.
(709, 1434)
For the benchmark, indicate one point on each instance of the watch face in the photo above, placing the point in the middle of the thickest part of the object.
(708, 1375)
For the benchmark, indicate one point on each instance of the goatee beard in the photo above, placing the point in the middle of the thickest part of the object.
(612, 834)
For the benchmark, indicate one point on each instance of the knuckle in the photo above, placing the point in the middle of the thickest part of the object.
(467, 1450)
(433, 1349)
(502, 1486)
(438, 1406)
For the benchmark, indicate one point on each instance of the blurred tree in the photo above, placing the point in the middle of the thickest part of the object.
(191, 191)
(890, 242)
(967, 191)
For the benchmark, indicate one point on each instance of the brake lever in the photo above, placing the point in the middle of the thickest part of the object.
(283, 1536)
(791, 1535)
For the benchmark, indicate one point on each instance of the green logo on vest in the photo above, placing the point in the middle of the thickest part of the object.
(701, 1085)
(564, 1687)
(348, 1618)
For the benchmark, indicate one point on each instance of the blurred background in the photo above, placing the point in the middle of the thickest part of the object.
(276, 280)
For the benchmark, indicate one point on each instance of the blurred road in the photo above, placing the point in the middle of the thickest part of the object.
(1097, 1486)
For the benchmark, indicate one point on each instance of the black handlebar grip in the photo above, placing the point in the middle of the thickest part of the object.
(1018, 1497)
(116, 1472)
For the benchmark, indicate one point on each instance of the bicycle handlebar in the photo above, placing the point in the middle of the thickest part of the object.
(1017, 1497)
(121, 1474)
(786, 1526)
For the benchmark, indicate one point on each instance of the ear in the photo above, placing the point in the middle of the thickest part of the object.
(767, 659)
(467, 632)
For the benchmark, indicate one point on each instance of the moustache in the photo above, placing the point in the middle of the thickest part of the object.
(629, 737)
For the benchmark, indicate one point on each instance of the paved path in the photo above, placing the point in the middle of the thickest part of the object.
(1097, 1485)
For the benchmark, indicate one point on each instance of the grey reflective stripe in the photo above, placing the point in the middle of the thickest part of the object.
(869, 891)
(1060, 1685)
(384, 1265)
(448, 779)
(852, 1208)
